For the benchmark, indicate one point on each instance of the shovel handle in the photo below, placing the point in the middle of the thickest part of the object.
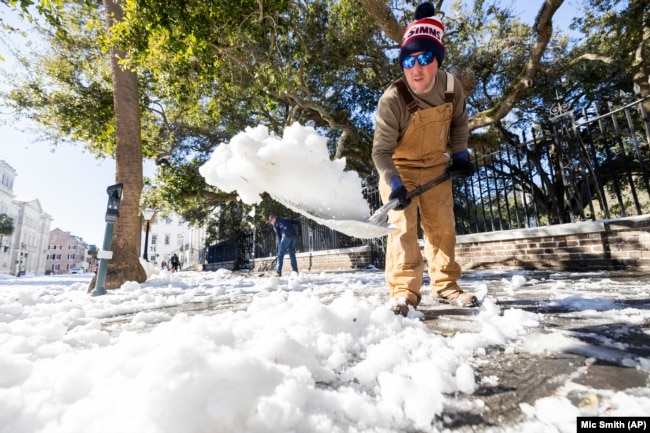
(380, 214)
(427, 186)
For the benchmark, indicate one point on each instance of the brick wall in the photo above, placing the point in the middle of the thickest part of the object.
(619, 244)
(587, 246)
(331, 260)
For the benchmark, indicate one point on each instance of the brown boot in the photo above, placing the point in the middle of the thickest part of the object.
(402, 308)
(456, 297)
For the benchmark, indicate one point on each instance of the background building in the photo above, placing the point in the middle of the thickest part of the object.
(169, 235)
(65, 251)
(23, 252)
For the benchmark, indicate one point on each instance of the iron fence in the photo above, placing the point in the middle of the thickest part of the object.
(591, 165)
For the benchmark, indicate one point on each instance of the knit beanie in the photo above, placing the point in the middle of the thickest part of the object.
(424, 34)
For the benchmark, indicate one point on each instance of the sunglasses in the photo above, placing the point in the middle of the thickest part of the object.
(423, 59)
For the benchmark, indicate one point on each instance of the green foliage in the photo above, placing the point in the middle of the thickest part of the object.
(208, 69)
(223, 67)
(68, 90)
(6, 225)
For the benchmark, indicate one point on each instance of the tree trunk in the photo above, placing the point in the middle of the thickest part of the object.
(640, 73)
(125, 264)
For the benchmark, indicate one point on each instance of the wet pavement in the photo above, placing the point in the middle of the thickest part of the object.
(605, 360)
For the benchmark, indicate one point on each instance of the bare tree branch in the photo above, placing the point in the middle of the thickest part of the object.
(385, 18)
(544, 30)
(592, 58)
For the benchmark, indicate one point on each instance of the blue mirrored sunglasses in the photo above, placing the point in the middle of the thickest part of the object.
(423, 59)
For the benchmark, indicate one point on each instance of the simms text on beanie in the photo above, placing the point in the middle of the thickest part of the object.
(424, 34)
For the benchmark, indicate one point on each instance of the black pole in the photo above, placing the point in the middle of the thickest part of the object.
(146, 243)
(112, 214)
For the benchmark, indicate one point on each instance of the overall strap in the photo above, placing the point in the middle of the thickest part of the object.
(406, 95)
(449, 93)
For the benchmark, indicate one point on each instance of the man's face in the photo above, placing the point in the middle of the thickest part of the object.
(421, 79)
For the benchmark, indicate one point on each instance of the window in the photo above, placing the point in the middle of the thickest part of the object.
(167, 239)
(154, 239)
(179, 239)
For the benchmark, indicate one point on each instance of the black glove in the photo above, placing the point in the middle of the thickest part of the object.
(398, 191)
(461, 166)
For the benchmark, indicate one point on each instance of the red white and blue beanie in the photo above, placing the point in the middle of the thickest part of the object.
(424, 34)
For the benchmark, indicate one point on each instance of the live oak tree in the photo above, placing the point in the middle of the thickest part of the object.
(118, 131)
(206, 70)
(6, 224)
(332, 75)
(125, 264)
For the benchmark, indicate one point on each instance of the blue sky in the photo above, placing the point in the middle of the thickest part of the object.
(71, 184)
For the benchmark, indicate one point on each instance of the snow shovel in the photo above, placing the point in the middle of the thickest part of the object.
(374, 226)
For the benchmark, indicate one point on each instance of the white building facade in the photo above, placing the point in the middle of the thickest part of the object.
(23, 252)
(169, 235)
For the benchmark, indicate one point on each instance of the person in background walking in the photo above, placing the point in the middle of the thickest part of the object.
(286, 236)
(418, 116)
(174, 262)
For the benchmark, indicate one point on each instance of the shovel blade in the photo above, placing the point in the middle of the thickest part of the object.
(381, 215)
(361, 229)
(374, 226)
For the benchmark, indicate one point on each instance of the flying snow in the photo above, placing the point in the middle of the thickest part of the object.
(295, 170)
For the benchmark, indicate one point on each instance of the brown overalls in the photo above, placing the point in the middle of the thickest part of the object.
(419, 157)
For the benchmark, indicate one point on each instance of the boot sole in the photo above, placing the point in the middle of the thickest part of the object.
(472, 304)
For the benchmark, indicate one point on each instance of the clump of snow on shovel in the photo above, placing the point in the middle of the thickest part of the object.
(294, 169)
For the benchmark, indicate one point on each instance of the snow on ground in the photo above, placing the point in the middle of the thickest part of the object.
(195, 352)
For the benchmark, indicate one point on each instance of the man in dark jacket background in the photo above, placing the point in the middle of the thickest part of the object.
(286, 236)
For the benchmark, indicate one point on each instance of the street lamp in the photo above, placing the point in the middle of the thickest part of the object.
(112, 213)
(147, 214)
